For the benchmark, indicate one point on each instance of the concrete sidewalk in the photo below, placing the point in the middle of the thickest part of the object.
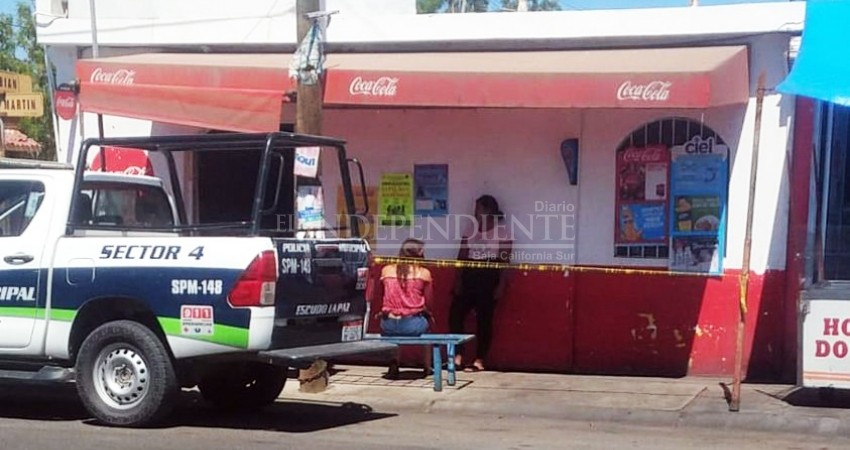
(644, 401)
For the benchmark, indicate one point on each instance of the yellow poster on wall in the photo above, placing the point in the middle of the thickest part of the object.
(395, 202)
(368, 224)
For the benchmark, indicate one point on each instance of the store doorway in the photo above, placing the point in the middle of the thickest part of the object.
(832, 169)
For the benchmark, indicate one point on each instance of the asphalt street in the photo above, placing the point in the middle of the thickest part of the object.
(50, 417)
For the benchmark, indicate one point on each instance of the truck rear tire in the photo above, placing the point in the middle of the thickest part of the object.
(243, 386)
(125, 376)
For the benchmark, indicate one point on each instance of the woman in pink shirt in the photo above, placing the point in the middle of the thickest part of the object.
(405, 290)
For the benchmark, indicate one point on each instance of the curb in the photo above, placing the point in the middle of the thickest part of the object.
(750, 421)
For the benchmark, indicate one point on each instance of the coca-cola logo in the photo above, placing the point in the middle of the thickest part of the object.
(65, 103)
(654, 91)
(381, 87)
(135, 170)
(124, 77)
(643, 155)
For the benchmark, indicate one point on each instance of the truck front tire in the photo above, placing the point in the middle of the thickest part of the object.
(125, 376)
(243, 386)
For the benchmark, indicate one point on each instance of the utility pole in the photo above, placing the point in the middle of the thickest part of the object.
(308, 120)
(308, 116)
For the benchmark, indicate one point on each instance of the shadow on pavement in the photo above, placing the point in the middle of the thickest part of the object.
(284, 416)
(820, 398)
(35, 401)
(52, 402)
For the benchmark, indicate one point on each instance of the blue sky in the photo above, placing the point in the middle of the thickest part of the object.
(7, 6)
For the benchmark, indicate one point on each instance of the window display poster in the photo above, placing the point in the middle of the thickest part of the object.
(431, 185)
(642, 222)
(698, 213)
(395, 203)
(310, 205)
(699, 179)
(695, 254)
(642, 192)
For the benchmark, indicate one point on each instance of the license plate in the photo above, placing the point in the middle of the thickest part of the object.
(352, 331)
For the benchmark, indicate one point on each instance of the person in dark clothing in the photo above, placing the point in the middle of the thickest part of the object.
(480, 288)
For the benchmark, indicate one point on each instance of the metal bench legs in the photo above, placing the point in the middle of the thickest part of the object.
(438, 368)
(450, 364)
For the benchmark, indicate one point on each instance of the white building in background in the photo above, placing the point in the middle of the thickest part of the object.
(494, 96)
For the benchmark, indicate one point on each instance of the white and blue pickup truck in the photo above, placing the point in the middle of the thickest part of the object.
(103, 280)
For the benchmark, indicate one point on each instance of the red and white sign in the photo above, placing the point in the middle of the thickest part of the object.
(129, 161)
(826, 344)
(65, 103)
(379, 87)
(123, 77)
(206, 90)
(654, 91)
(704, 77)
(197, 320)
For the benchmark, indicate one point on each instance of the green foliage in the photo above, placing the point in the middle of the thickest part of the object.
(18, 37)
(534, 5)
(428, 6)
(452, 6)
(456, 6)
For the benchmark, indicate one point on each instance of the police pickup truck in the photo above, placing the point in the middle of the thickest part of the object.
(104, 279)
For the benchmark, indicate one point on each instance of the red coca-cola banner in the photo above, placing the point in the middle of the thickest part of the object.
(641, 78)
(225, 92)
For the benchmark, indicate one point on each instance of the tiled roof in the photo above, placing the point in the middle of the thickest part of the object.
(19, 142)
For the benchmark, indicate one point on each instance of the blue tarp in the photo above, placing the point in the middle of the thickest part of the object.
(822, 69)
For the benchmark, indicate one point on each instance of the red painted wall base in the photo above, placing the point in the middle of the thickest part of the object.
(627, 324)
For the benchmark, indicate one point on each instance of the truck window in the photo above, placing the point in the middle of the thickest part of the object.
(19, 202)
(125, 205)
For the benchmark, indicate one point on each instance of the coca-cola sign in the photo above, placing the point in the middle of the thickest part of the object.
(379, 87)
(654, 91)
(643, 155)
(123, 77)
(65, 103)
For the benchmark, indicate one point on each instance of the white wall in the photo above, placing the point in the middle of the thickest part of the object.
(510, 154)
(388, 22)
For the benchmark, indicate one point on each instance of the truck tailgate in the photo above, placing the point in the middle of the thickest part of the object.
(320, 293)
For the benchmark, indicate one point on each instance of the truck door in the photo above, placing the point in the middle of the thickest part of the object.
(23, 227)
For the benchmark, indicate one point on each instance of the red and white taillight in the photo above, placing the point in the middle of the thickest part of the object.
(256, 285)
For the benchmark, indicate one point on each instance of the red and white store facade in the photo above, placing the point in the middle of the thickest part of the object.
(498, 119)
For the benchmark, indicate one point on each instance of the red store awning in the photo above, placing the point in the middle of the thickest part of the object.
(234, 92)
(244, 92)
(639, 78)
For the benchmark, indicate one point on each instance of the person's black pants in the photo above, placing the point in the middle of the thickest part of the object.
(477, 288)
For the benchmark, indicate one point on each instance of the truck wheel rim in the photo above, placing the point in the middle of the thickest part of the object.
(121, 377)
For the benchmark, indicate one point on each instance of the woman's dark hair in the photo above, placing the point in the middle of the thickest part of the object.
(489, 203)
(410, 248)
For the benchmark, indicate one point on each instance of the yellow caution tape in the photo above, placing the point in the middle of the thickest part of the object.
(526, 267)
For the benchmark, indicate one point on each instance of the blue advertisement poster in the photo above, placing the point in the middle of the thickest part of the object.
(642, 222)
(431, 190)
(699, 180)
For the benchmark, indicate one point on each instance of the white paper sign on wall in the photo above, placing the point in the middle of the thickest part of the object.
(307, 161)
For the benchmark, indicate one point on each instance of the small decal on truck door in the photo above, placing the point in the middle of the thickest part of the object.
(197, 320)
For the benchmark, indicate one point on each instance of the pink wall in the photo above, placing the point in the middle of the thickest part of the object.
(511, 154)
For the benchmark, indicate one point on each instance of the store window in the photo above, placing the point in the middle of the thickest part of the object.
(671, 192)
